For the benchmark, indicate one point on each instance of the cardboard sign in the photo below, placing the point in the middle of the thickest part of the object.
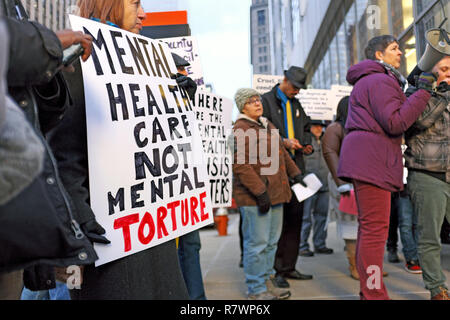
(147, 176)
(187, 48)
(213, 115)
(264, 83)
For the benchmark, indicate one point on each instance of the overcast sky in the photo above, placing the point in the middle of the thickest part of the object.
(222, 29)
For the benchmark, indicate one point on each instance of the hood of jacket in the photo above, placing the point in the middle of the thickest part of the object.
(364, 69)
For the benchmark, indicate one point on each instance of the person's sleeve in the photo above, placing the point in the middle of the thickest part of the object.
(331, 144)
(35, 53)
(394, 114)
(243, 170)
(69, 145)
(266, 108)
(433, 111)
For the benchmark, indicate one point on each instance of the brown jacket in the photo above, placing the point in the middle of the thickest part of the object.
(248, 182)
(331, 148)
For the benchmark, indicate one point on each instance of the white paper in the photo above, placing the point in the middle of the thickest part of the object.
(313, 185)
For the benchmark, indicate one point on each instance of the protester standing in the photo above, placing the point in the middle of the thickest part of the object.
(150, 274)
(283, 109)
(260, 188)
(315, 209)
(428, 162)
(371, 155)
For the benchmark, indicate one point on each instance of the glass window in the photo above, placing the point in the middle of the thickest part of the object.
(423, 4)
(430, 21)
(261, 17)
(402, 15)
(409, 58)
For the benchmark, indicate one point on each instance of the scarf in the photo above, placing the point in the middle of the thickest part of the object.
(400, 78)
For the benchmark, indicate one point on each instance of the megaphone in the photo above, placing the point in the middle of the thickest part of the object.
(438, 46)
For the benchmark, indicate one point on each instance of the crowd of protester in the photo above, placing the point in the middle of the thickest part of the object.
(44, 189)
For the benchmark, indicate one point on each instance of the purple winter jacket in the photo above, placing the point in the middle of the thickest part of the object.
(378, 115)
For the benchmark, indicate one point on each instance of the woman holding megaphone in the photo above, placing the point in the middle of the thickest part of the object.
(371, 156)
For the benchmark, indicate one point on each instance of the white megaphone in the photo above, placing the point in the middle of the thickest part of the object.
(438, 46)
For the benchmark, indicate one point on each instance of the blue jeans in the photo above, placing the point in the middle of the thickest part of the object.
(59, 293)
(407, 224)
(261, 233)
(189, 256)
(315, 207)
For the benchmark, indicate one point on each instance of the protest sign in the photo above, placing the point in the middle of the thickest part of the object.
(336, 94)
(213, 115)
(147, 175)
(187, 48)
(315, 102)
(264, 83)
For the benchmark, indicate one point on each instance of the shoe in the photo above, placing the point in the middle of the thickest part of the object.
(306, 253)
(413, 267)
(280, 293)
(443, 295)
(262, 296)
(280, 282)
(324, 250)
(297, 275)
(393, 257)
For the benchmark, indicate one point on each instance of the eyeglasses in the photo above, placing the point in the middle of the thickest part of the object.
(254, 100)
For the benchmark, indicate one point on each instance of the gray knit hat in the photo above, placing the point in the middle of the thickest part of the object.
(242, 95)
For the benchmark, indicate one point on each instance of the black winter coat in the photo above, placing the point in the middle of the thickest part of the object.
(151, 274)
(48, 235)
(273, 110)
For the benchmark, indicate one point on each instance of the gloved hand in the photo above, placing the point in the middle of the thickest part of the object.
(299, 179)
(443, 87)
(263, 202)
(426, 81)
(94, 232)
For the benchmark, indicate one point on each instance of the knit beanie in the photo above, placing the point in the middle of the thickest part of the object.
(242, 95)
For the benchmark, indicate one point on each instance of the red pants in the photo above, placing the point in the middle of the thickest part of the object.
(374, 206)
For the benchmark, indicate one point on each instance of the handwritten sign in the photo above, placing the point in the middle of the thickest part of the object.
(187, 48)
(147, 176)
(213, 115)
(264, 83)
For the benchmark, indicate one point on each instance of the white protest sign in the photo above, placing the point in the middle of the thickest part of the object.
(187, 48)
(213, 115)
(313, 185)
(315, 102)
(337, 93)
(147, 176)
(264, 83)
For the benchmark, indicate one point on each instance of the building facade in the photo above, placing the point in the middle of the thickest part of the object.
(333, 34)
(51, 13)
(272, 35)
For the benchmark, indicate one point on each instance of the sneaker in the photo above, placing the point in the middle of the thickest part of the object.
(413, 267)
(393, 256)
(280, 293)
(443, 295)
(306, 253)
(262, 296)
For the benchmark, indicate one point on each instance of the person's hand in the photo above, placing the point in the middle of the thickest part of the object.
(263, 202)
(308, 149)
(68, 38)
(94, 232)
(345, 189)
(292, 144)
(299, 179)
(426, 81)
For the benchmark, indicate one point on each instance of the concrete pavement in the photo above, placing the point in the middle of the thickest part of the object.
(224, 280)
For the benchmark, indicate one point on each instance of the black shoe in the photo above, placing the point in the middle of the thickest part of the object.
(280, 282)
(306, 253)
(393, 257)
(295, 275)
(324, 250)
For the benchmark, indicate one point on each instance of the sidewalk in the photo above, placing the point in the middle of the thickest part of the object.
(224, 280)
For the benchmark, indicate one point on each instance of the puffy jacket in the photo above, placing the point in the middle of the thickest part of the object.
(331, 149)
(428, 139)
(248, 182)
(378, 115)
(48, 235)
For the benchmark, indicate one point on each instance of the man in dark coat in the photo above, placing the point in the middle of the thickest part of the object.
(286, 113)
(35, 57)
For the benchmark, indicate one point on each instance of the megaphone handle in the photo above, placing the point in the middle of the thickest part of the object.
(445, 35)
(442, 23)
